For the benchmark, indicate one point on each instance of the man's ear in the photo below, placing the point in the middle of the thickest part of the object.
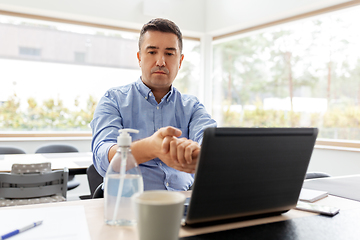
(181, 59)
(138, 57)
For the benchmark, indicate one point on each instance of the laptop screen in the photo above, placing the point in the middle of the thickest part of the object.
(249, 171)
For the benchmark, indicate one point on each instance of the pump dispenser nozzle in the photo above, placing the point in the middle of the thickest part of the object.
(124, 139)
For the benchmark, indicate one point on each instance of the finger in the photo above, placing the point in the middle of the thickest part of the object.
(181, 148)
(165, 146)
(188, 155)
(196, 153)
(191, 152)
(173, 150)
(170, 131)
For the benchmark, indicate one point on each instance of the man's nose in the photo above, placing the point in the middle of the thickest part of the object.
(160, 61)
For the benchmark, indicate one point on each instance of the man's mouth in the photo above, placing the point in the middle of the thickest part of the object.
(160, 70)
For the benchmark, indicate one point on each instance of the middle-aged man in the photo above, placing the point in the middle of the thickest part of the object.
(171, 124)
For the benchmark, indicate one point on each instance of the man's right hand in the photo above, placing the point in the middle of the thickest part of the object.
(180, 154)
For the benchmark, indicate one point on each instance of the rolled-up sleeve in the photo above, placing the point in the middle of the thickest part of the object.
(105, 126)
(200, 120)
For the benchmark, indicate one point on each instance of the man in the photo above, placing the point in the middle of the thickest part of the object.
(170, 124)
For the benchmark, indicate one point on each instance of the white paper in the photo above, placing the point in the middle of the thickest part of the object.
(65, 223)
(309, 195)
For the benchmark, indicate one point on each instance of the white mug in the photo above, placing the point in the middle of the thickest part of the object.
(158, 214)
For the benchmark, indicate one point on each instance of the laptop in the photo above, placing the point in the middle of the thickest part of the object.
(247, 173)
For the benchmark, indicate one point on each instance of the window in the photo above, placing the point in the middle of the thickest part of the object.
(299, 74)
(27, 51)
(53, 74)
(79, 57)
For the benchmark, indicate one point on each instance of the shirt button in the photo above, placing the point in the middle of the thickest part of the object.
(157, 108)
(146, 98)
(167, 184)
(160, 164)
(150, 94)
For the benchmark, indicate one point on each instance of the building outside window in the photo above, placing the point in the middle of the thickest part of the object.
(79, 57)
(27, 51)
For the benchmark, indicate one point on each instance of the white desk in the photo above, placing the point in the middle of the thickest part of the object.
(99, 230)
(75, 162)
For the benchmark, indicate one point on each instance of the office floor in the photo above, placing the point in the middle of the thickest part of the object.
(81, 190)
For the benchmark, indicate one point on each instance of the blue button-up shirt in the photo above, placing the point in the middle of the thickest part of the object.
(134, 106)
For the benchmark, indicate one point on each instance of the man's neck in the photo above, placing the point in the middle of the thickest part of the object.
(159, 94)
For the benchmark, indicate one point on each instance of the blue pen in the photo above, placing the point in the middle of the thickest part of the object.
(17, 231)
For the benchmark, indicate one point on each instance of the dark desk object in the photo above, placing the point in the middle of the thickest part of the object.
(346, 186)
(345, 225)
(311, 175)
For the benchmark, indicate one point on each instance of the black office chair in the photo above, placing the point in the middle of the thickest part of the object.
(94, 178)
(61, 148)
(57, 148)
(99, 192)
(11, 150)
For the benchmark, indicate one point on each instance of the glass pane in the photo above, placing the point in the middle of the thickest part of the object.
(52, 74)
(188, 78)
(299, 74)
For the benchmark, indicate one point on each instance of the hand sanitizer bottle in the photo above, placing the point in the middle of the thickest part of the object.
(123, 179)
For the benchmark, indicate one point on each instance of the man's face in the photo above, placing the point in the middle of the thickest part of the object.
(160, 59)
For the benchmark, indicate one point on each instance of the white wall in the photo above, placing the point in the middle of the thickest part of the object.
(335, 162)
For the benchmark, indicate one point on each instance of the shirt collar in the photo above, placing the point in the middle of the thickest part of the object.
(144, 90)
(170, 94)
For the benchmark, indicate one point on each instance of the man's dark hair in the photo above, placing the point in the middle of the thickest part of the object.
(161, 25)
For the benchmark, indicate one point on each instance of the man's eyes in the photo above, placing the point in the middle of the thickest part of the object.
(168, 53)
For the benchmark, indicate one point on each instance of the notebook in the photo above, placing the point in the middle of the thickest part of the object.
(309, 195)
(249, 172)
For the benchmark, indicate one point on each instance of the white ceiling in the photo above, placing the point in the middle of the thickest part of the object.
(231, 15)
(194, 17)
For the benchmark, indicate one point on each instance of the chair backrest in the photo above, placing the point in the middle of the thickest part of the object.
(11, 150)
(56, 148)
(33, 185)
(99, 192)
(94, 178)
(31, 168)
